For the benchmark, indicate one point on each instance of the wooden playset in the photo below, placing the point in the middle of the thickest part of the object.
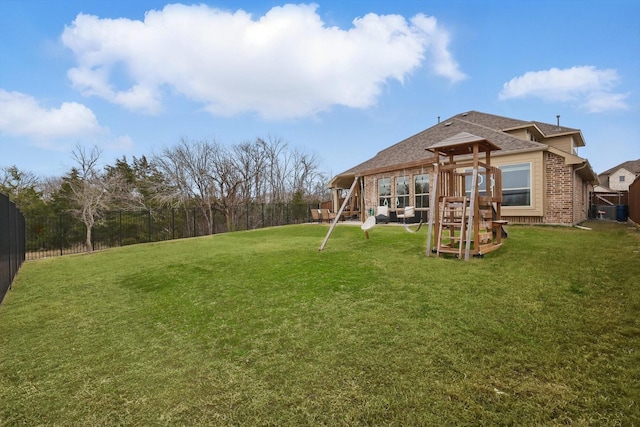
(466, 197)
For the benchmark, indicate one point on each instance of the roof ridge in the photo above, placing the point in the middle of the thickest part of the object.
(559, 129)
(519, 122)
(490, 115)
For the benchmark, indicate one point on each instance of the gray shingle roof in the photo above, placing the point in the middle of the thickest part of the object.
(632, 166)
(487, 126)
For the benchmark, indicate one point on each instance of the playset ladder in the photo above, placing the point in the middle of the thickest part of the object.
(454, 219)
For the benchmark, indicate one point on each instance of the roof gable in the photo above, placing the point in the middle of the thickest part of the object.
(505, 124)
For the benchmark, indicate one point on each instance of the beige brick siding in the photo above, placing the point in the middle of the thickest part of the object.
(616, 184)
(580, 199)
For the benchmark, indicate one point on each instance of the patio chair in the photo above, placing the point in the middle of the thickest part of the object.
(326, 214)
(315, 215)
(382, 215)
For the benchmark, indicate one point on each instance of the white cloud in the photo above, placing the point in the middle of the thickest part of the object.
(587, 86)
(121, 144)
(22, 115)
(597, 102)
(285, 64)
(443, 63)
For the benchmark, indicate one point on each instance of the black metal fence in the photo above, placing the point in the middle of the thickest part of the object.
(12, 243)
(62, 234)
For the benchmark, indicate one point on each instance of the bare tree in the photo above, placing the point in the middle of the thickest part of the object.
(290, 172)
(229, 177)
(277, 169)
(222, 179)
(251, 163)
(92, 191)
(305, 177)
(188, 169)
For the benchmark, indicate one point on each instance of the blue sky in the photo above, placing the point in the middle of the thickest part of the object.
(338, 79)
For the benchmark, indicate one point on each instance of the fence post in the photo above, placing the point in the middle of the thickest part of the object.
(61, 236)
(173, 223)
(149, 225)
(194, 222)
(120, 230)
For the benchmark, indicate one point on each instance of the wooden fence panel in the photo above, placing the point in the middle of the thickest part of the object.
(634, 201)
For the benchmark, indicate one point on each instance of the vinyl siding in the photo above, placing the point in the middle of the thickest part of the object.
(537, 183)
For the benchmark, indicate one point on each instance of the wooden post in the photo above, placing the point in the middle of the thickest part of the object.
(337, 218)
(473, 208)
(472, 224)
(433, 205)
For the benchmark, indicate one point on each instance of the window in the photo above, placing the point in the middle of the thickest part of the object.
(621, 178)
(421, 190)
(402, 192)
(482, 186)
(516, 184)
(384, 192)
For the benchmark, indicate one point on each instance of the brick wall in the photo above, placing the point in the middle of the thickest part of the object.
(560, 191)
(370, 192)
(580, 199)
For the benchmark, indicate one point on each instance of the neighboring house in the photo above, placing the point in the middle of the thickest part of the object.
(620, 177)
(543, 178)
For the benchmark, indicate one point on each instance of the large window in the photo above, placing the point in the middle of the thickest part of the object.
(402, 192)
(516, 184)
(421, 190)
(384, 192)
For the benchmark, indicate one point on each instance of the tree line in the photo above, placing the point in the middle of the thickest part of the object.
(202, 175)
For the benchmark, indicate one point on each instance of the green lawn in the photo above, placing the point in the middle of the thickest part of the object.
(259, 328)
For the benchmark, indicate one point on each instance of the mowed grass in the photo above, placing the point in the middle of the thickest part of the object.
(259, 328)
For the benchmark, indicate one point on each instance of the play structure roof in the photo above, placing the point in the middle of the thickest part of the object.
(462, 143)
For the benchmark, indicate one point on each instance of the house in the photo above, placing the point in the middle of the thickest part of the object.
(544, 181)
(613, 191)
(620, 177)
